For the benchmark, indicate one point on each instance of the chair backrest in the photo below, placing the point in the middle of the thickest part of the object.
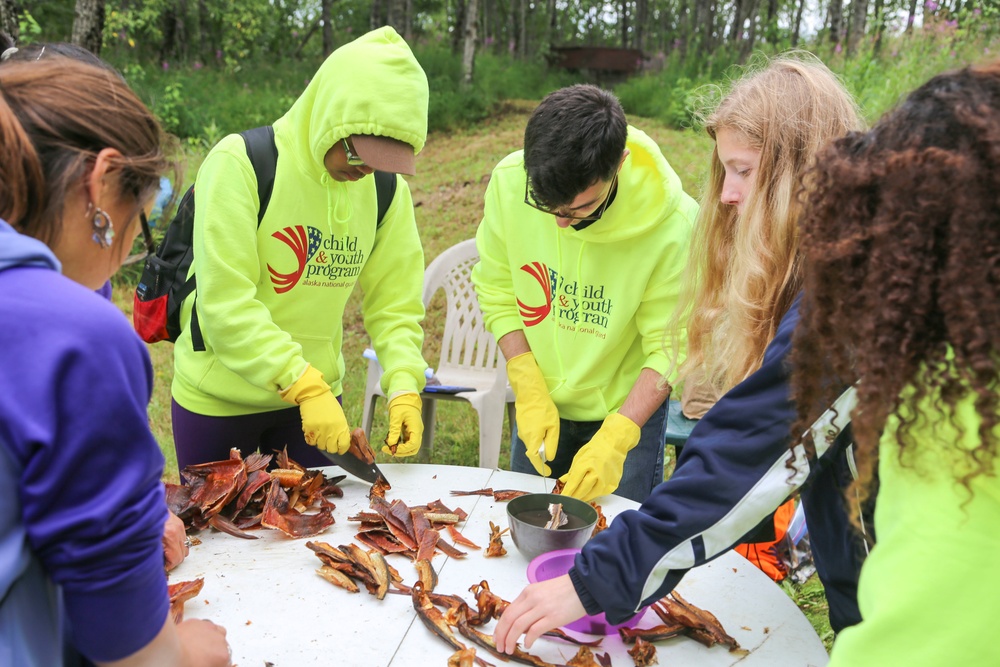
(465, 343)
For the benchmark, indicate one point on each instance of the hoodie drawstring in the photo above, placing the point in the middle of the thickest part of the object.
(338, 202)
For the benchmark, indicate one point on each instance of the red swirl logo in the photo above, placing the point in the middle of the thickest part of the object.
(532, 315)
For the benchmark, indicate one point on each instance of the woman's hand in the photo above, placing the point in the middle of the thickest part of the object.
(204, 644)
(175, 548)
(539, 608)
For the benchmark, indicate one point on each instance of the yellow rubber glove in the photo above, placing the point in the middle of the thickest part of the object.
(537, 416)
(323, 420)
(597, 468)
(406, 425)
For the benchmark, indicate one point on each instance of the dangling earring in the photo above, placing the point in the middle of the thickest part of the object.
(104, 231)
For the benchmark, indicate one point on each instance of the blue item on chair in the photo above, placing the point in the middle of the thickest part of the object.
(679, 427)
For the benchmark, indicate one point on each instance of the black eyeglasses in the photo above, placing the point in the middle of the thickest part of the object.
(352, 158)
(529, 199)
(147, 235)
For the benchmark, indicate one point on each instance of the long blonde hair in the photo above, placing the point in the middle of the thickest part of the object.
(743, 271)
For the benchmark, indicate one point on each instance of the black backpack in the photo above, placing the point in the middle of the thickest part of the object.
(156, 311)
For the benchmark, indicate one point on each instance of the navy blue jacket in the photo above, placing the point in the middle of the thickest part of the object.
(731, 475)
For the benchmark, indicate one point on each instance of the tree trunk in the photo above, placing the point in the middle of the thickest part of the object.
(706, 18)
(8, 18)
(746, 47)
(408, 21)
(325, 17)
(375, 17)
(172, 25)
(88, 25)
(305, 39)
(879, 27)
(523, 31)
(911, 16)
(836, 20)
(390, 13)
(551, 29)
(772, 22)
(641, 19)
(458, 31)
(482, 24)
(181, 30)
(859, 17)
(204, 36)
(624, 22)
(736, 30)
(798, 22)
(469, 49)
(512, 26)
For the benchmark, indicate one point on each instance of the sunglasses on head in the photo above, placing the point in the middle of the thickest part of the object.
(352, 157)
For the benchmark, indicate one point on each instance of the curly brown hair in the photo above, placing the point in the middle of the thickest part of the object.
(901, 243)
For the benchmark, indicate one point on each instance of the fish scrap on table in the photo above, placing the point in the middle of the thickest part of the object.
(236, 495)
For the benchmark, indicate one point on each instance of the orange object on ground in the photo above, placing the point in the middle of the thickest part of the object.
(765, 554)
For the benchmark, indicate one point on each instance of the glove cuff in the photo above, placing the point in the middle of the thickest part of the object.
(622, 424)
(409, 399)
(520, 360)
(309, 385)
(523, 370)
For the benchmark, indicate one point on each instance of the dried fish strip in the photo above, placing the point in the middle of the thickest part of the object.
(654, 634)
(702, 625)
(490, 606)
(559, 518)
(180, 593)
(426, 574)
(224, 525)
(587, 658)
(500, 495)
(486, 641)
(435, 621)
(338, 578)
(277, 514)
(643, 653)
(459, 538)
(602, 521)
(288, 478)
(495, 548)
(464, 658)
(236, 494)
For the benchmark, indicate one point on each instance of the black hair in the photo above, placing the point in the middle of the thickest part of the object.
(574, 138)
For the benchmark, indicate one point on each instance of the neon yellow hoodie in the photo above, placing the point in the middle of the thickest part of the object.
(929, 592)
(271, 299)
(593, 303)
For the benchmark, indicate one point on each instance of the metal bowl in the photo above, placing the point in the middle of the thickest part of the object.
(527, 516)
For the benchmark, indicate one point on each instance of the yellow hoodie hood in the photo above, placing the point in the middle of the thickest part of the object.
(373, 85)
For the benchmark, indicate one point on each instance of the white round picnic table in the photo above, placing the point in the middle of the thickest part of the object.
(278, 611)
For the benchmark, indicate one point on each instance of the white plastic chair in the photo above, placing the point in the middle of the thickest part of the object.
(470, 356)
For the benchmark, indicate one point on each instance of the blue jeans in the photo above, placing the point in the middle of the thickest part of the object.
(643, 465)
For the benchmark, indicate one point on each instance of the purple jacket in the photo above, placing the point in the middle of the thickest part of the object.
(81, 526)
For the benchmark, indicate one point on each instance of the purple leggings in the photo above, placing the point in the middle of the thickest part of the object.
(201, 439)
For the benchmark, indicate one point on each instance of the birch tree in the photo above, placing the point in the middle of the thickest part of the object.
(88, 25)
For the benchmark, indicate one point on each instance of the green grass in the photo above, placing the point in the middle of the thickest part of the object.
(811, 600)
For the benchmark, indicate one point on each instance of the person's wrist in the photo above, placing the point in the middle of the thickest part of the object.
(403, 382)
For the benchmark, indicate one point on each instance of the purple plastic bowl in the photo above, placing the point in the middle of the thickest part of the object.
(557, 563)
